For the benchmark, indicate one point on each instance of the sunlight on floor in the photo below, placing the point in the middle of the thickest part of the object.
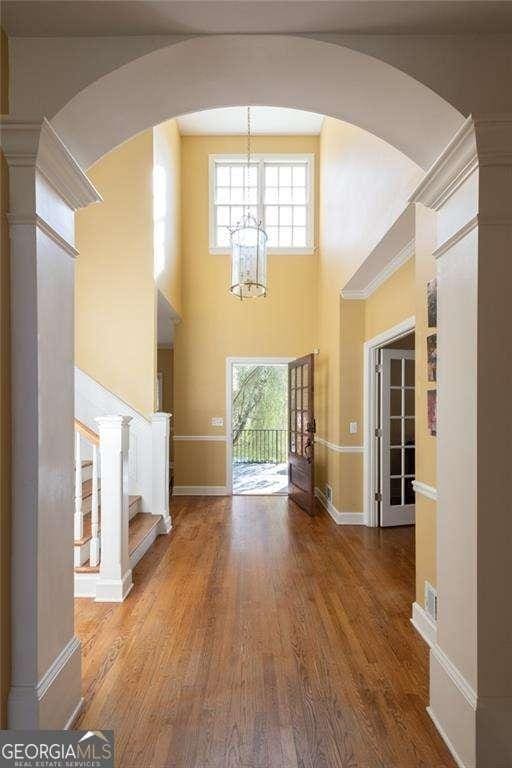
(260, 478)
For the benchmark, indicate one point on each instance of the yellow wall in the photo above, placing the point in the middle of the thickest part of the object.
(426, 446)
(167, 153)
(364, 184)
(115, 310)
(215, 324)
(5, 403)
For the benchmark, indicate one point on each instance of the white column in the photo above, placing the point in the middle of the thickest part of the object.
(470, 188)
(46, 187)
(115, 576)
(160, 426)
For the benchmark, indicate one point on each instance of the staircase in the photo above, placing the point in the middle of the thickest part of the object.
(105, 548)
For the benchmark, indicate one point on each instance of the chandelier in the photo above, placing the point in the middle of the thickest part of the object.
(248, 245)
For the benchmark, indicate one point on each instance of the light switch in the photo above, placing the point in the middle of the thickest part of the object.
(217, 421)
(353, 427)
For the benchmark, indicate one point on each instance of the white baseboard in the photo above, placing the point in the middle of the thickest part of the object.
(446, 740)
(55, 700)
(85, 584)
(74, 715)
(200, 490)
(423, 624)
(340, 518)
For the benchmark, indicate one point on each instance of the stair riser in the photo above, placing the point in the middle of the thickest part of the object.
(81, 553)
(135, 508)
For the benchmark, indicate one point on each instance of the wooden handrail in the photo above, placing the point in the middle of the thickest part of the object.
(87, 433)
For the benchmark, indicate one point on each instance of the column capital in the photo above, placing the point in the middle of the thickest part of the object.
(37, 145)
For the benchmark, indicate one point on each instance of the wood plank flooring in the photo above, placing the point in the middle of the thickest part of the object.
(258, 637)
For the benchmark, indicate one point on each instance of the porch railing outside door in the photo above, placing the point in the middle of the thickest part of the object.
(261, 446)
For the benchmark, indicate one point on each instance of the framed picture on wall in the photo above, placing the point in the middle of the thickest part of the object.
(432, 303)
(432, 411)
(432, 357)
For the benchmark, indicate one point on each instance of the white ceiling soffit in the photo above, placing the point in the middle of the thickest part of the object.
(264, 120)
(392, 252)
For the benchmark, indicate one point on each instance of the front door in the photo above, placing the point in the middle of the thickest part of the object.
(397, 437)
(301, 454)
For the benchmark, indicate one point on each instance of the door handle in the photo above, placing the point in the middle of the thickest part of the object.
(308, 444)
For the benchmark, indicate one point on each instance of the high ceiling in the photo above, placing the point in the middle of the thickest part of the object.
(264, 120)
(122, 17)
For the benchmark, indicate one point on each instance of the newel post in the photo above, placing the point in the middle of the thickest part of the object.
(160, 424)
(115, 576)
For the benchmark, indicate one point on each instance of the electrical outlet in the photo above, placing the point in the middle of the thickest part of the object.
(217, 421)
(353, 427)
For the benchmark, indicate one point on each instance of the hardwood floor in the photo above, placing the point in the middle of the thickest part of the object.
(258, 637)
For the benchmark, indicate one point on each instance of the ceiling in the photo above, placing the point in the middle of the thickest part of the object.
(121, 17)
(264, 120)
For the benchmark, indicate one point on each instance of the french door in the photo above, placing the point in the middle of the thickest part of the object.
(396, 435)
(301, 449)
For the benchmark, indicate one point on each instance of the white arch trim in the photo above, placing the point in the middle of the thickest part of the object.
(271, 70)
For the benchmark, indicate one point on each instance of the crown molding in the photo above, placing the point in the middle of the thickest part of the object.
(401, 258)
(451, 169)
(38, 145)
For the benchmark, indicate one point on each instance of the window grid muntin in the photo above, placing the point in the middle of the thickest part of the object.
(304, 233)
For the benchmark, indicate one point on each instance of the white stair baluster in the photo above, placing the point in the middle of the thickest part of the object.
(78, 519)
(94, 556)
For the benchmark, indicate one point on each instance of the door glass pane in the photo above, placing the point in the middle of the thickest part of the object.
(292, 399)
(292, 420)
(395, 461)
(305, 398)
(409, 402)
(409, 431)
(395, 491)
(410, 461)
(299, 376)
(409, 373)
(395, 402)
(292, 378)
(292, 442)
(299, 399)
(305, 375)
(395, 431)
(396, 373)
(299, 445)
(299, 421)
(410, 497)
(304, 421)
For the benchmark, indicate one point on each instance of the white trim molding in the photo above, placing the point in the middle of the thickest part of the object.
(425, 490)
(200, 438)
(423, 624)
(451, 169)
(200, 490)
(340, 518)
(402, 257)
(455, 675)
(34, 220)
(49, 696)
(371, 346)
(339, 448)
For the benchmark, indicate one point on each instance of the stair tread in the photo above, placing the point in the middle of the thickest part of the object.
(140, 525)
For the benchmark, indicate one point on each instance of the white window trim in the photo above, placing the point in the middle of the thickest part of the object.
(260, 158)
